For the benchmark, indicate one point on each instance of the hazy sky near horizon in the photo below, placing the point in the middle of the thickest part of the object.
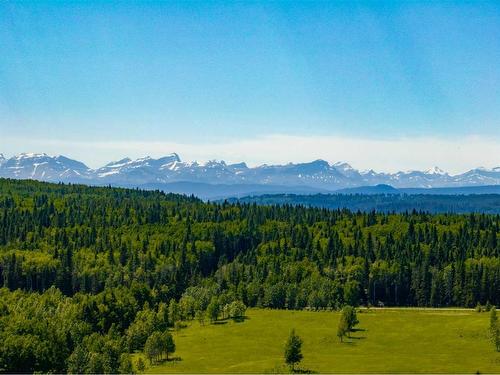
(383, 85)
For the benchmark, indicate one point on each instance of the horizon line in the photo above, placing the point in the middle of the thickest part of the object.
(222, 161)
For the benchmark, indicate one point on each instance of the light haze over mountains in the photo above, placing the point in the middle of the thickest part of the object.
(217, 178)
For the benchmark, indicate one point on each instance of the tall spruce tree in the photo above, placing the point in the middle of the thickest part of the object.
(293, 350)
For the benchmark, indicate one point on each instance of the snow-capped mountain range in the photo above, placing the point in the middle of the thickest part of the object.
(318, 174)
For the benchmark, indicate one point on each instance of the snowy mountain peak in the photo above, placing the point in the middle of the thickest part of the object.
(118, 163)
(30, 155)
(214, 163)
(343, 166)
(241, 165)
(40, 166)
(318, 174)
(320, 162)
(483, 169)
(172, 158)
(435, 170)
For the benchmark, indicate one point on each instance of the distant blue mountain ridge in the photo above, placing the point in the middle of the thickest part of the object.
(217, 179)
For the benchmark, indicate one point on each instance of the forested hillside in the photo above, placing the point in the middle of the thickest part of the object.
(88, 273)
(386, 202)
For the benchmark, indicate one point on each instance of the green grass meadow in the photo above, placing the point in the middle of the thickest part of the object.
(388, 341)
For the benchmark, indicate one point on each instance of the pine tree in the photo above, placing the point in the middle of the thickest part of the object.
(493, 319)
(494, 328)
(293, 350)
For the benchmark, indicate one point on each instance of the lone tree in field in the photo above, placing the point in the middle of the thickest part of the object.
(494, 329)
(342, 329)
(496, 338)
(348, 320)
(351, 318)
(493, 319)
(293, 350)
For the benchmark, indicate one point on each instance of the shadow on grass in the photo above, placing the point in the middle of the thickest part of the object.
(357, 337)
(285, 369)
(353, 340)
(349, 343)
(304, 371)
(358, 330)
(240, 319)
(164, 360)
(236, 320)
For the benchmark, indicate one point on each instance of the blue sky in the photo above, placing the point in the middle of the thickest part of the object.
(102, 80)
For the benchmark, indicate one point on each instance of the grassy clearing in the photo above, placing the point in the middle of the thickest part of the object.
(389, 340)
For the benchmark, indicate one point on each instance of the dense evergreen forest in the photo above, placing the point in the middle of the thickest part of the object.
(89, 273)
(386, 202)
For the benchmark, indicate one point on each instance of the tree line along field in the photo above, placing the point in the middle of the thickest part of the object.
(90, 276)
(395, 340)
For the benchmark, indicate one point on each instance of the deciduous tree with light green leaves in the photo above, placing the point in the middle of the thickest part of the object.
(342, 329)
(173, 312)
(237, 310)
(153, 347)
(213, 310)
(348, 320)
(349, 314)
(168, 344)
(158, 344)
